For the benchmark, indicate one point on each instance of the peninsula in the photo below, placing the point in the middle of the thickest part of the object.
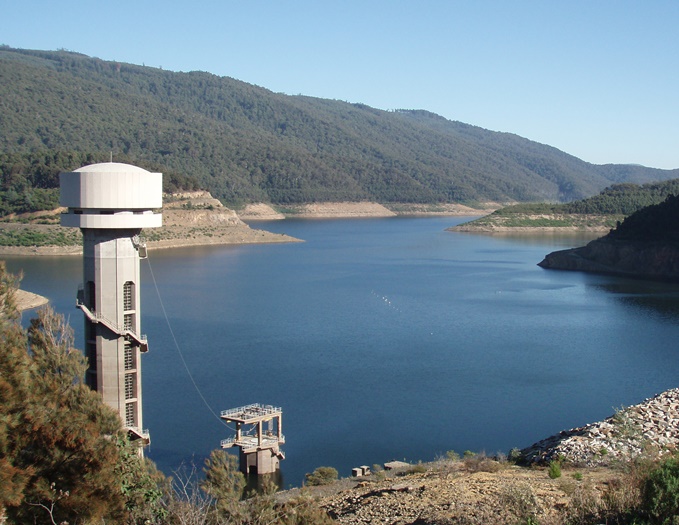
(645, 245)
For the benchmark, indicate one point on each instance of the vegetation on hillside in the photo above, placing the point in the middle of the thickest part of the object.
(30, 180)
(608, 208)
(659, 222)
(244, 143)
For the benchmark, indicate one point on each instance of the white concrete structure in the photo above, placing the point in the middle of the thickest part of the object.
(111, 203)
(260, 448)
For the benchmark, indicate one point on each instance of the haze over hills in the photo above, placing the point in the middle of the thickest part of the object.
(245, 143)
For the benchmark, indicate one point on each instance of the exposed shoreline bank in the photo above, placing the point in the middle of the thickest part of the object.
(360, 210)
(29, 300)
(197, 219)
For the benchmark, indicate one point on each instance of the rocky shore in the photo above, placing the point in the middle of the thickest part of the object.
(652, 426)
(639, 259)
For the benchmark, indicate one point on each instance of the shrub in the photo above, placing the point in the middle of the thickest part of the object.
(452, 455)
(520, 500)
(514, 455)
(660, 492)
(321, 476)
(554, 469)
(378, 472)
(480, 463)
(419, 468)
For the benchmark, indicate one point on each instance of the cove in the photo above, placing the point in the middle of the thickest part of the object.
(383, 339)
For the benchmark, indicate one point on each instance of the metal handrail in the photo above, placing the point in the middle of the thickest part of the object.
(109, 323)
(260, 409)
(267, 440)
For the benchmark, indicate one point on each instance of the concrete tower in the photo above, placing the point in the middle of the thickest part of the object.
(111, 203)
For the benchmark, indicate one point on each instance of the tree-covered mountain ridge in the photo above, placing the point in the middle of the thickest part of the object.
(244, 143)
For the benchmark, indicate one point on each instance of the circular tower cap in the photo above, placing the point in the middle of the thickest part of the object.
(111, 189)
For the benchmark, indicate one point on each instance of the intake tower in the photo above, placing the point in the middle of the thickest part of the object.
(111, 203)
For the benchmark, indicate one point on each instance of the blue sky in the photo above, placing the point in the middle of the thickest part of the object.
(598, 79)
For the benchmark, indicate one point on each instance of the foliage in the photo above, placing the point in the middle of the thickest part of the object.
(515, 455)
(143, 486)
(245, 143)
(217, 500)
(474, 462)
(63, 455)
(54, 432)
(659, 222)
(321, 476)
(452, 455)
(29, 180)
(608, 207)
(554, 470)
(224, 482)
(619, 199)
(660, 493)
(35, 237)
(378, 472)
(417, 468)
(520, 500)
(619, 503)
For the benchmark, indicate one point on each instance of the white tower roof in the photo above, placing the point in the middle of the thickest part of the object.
(111, 195)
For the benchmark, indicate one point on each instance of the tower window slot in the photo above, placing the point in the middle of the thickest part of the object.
(129, 386)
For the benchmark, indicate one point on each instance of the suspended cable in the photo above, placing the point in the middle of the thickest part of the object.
(179, 351)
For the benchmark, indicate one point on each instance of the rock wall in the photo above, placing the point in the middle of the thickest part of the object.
(649, 260)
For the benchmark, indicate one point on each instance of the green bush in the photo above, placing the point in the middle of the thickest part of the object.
(514, 455)
(418, 468)
(321, 476)
(660, 493)
(452, 455)
(554, 469)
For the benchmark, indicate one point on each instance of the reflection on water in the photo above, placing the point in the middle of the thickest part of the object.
(656, 298)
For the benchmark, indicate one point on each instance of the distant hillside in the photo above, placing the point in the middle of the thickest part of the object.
(605, 209)
(245, 143)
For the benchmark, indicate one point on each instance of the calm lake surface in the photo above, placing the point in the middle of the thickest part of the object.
(384, 339)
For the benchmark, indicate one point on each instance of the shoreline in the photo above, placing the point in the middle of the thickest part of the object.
(29, 300)
(196, 219)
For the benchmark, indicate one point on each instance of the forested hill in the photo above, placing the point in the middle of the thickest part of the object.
(245, 143)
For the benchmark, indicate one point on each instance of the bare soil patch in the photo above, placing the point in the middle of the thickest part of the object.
(456, 492)
(28, 300)
(320, 210)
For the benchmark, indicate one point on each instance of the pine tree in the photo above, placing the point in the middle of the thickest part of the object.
(58, 460)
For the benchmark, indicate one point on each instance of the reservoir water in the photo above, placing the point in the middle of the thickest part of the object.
(384, 339)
